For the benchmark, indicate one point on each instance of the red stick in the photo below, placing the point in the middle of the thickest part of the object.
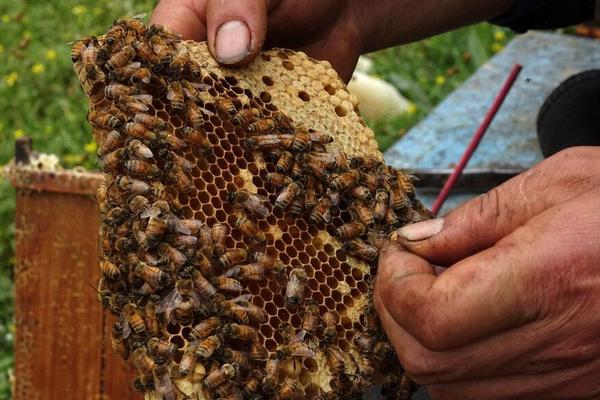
(485, 124)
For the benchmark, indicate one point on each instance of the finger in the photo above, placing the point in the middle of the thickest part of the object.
(186, 17)
(475, 298)
(236, 29)
(483, 221)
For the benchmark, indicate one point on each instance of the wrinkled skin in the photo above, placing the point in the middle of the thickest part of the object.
(516, 314)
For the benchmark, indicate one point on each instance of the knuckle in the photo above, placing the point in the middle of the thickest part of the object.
(417, 364)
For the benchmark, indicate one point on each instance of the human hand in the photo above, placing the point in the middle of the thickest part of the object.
(517, 313)
(236, 29)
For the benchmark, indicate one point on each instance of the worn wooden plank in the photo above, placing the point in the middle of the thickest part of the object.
(60, 350)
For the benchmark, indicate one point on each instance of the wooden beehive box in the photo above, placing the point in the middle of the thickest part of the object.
(62, 349)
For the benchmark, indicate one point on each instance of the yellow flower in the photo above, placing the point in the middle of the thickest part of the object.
(73, 159)
(1, 49)
(6, 18)
(79, 9)
(90, 147)
(440, 80)
(51, 54)
(499, 36)
(11, 79)
(411, 108)
(38, 68)
(18, 133)
(496, 47)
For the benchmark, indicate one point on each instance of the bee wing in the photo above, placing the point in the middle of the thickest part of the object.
(303, 351)
(179, 226)
(126, 328)
(190, 94)
(144, 98)
(255, 204)
(206, 111)
(327, 215)
(137, 106)
(334, 197)
(151, 212)
(152, 259)
(164, 387)
(232, 272)
(168, 304)
(299, 337)
(244, 297)
(135, 65)
(200, 86)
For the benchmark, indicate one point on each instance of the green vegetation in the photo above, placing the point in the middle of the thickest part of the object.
(41, 98)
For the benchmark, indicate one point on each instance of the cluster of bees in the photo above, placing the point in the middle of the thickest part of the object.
(161, 269)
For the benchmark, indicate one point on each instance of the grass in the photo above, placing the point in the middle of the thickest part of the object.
(41, 98)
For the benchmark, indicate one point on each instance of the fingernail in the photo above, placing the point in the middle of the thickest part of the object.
(232, 43)
(421, 230)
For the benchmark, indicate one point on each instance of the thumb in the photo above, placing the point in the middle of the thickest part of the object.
(236, 29)
(476, 225)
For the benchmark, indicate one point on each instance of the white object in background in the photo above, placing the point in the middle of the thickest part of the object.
(377, 98)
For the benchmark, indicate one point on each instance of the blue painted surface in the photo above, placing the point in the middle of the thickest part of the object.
(511, 141)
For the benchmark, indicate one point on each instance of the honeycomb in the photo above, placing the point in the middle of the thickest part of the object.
(242, 215)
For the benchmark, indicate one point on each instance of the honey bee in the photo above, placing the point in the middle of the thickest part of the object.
(216, 378)
(317, 167)
(279, 180)
(109, 269)
(203, 286)
(227, 284)
(236, 357)
(163, 385)
(251, 272)
(255, 312)
(345, 180)
(104, 120)
(193, 225)
(403, 181)
(233, 257)
(175, 95)
(172, 141)
(219, 233)
(144, 363)
(79, 47)
(294, 292)
(139, 131)
(377, 239)
(419, 212)
(284, 123)
(181, 241)
(364, 214)
(109, 141)
(361, 250)
(297, 205)
(206, 240)
(150, 314)
(138, 149)
(226, 106)
(287, 196)
(240, 332)
(155, 230)
(183, 181)
(145, 52)
(154, 276)
(112, 160)
(194, 70)
(336, 361)
(120, 58)
(266, 142)
(322, 211)
(180, 304)
(208, 346)
(134, 318)
(179, 61)
(364, 342)
(171, 254)
(284, 162)
(249, 228)
(150, 121)
(188, 360)
(297, 171)
(319, 137)
(116, 216)
(194, 114)
(261, 126)
(103, 198)
(296, 348)
(125, 72)
(270, 263)
(114, 90)
(271, 379)
(258, 352)
(162, 348)
(89, 57)
(398, 199)
(311, 320)
(182, 162)
(391, 219)
(250, 201)
(361, 192)
(381, 204)
(140, 167)
(311, 198)
(141, 75)
(205, 328)
(330, 320)
(135, 103)
(350, 230)
(334, 196)
(383, 352)
(301, 142)
(197, 138)
(133, 24)
(119, 332)
(252, 385)
(246, 116)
